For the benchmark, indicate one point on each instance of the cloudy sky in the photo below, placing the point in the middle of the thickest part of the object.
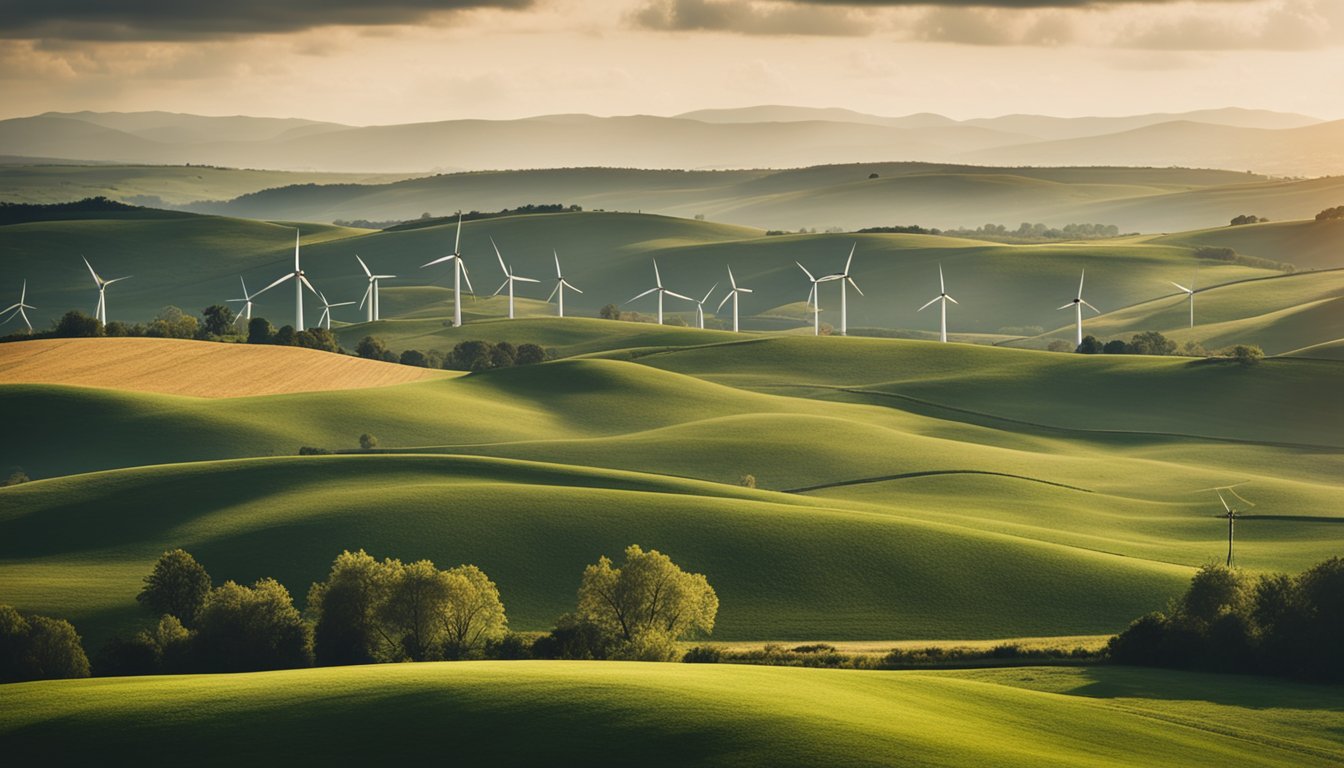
(421, 60)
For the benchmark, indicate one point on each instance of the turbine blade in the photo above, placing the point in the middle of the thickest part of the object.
(498, 256)
(642, 295)
(726, 297)
(272, 285)
(554, 291)
(368, 293)
(707, 293)
(518, 279)
(309, 285)
(439, 260)
(949, 298)
(805, 272)
(657, 278)
(96, 278)
(1089, 306)
(341, 304)
(117, 280)
(731, 281)
(677, 295)
(570, 287)
(457, 239)
(466, 276)
(1081, 277)
(850, 260)
(1067, 306)
(744, 290)
(931, 301)
(557, 264)
(367, 273)
(856, 285)
(501, 287)
(942, 288)
(1182, 287)
(296, 250)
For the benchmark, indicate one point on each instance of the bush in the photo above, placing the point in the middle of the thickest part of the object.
(703, 654)
(1091, 346)
(177, 586)
(259, 331)
(320, 339)
(172, 323)
(245, 629)
(1248, 218)
(371, 348)
(1246, 354)
(574, 638)
(1150, 343)
(75, 325)
(1331, 214)
(511, 647)
(39, 648)
(1059, 345)
(530, 354)
(368, 442)
(502, 355)
(747, 481)
(414, 357)
(609, 312)
(17, 477)
(308, 450)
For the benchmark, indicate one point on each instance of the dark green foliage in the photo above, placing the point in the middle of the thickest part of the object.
(75, 324)
(574, 638)
(511, 647)
(1150, 343)
(308, 450)
(244, 629)
(17, 477)
(259, 331)
(703, 654)
(316, 338)
(120, 657)
(285, 337)
(346, 629)
(368, 442)
(1331, 214)
(609, 312)
(470, 356)
(1227, 622)
(39, 648)
(18, 213)
(414, 357)
(371, 348)
(177, 586)
(172, 323)
(1247, 218)
(1246, 354)
(1091, 346)
(502, 355)
(218, 320)
(1114, 347)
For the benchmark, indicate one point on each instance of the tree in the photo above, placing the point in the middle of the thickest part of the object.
(346, 605)
(1330, 214)
(414, 357)
(218, 320)
(1248, 218)
(177, 586)
(529, 354)
(410, 611)
(368, 442)
(1246, 354)
(647, 603)
(1115, 347)
(1150, 343)
(285, 337)
(1091, 346)
(244, 629)
(39, 648)
(609, 312)
(1214, 591)
(317, 338)
(259, 331)
(371, 348)
(470, 356)
(172, 323)
(472, 614)
(502, 355)
(75, 325)
(169, 644)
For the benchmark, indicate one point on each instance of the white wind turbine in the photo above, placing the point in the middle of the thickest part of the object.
(1078, 303)
(18, 308)
(560, 285)
(300, 282)
(246, 312)
(943, 298)
(844, 278)
(325, 320)
(814, 297)
(459, 273)
(1190, 294)
(371, 293)
(100, 311)
(700, 308)
(1230, 512)
(733, 295)
(661, 291)
(509, 278)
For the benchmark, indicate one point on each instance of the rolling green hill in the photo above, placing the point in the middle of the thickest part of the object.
(1307, 244)
(659, 714)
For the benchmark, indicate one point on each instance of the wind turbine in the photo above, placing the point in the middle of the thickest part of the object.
(814, 297)
(560, 285)
(658, 287)
(1230, 512)
(943, 298)
(325, 320)
(371, 293)
(18, 308)
(700, 308)
(733, 295)
(509, 278)
(246, 300)
(844, 278)
(459, 273)
(100, 311)
(1190, 293)
(300, 282)
(1078, 303)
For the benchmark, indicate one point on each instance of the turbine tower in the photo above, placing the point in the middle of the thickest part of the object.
(658, 287)
(325, 320)
(1230, 513)
(100, 311)
(814, 297)
(371, 293)
(300, 282)
(459, 273)
(509, 277)
(732, 295)
(18, 308)
(1190, 294)
(560, 285)
(246, 313)
(844, 278)
(1078, 303)
(942, 298)
(700, 308)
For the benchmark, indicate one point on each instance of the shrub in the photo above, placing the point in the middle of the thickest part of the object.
(17, 477)
(368, 442)
(1059, 345)
(39, 648)
(1150, 343)
(1248, 218)
(574, 638)
(320, 339)
(530, 354)
(243, 629)
(308, 450)
(371, 348)
(703, 654)
(177, 586)
(1246, 354)
(1331, 214)
(502, 355)
(747, 481)
(285, 337)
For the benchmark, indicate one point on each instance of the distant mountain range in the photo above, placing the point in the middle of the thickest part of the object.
(753, 137)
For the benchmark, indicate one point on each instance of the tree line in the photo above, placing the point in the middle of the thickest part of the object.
(1230, 621)
(367, 611)
(1155, 343)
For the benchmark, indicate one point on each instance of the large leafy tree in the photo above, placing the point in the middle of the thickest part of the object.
(177, 586)
(647, 603)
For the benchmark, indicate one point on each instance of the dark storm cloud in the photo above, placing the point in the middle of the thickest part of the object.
(189, 20)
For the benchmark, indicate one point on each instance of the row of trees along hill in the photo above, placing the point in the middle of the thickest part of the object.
(465, 356)
(1155, 343)
(1230, 621)
(366, 611)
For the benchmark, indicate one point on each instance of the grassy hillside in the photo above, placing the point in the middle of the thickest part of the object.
(1307, 244)
(179, 367)
(679, 714)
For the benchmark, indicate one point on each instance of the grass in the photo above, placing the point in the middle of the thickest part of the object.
(180, 367)
(662, 714)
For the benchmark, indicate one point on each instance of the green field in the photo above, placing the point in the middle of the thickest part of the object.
(660, 714)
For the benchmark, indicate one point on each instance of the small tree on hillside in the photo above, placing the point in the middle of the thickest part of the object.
(260, 331)
(368, 442)
(218, 320)
(371, 348)
(177, 586)
(646, 604)
(75, 324)
(609, 312)
(414, 357)
(1091, 346)
(244, 629)
(1246, 354)
(472, 614)
(529, 354)
(345, 608)
(39, 648)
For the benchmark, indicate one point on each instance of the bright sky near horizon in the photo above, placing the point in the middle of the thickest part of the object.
(361, 62)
